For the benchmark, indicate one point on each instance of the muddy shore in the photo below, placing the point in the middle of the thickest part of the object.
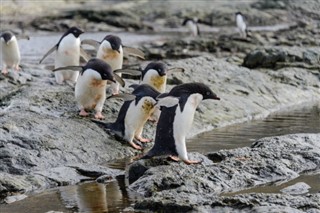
(44, 143)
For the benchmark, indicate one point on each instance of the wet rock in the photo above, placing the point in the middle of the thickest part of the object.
(277, 56)
(268, 160)
(296, 189)
(15, 198)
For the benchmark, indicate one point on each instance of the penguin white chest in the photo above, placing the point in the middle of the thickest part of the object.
(90, 91)
(192, 27)
(153, 79)
(10, 52)
(240, 23)
(138, 114)
(183, 120)
(112, 57)
(68, 52)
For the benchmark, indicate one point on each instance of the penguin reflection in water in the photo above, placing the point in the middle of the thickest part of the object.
(68, 52)
(10, 52)
(133, 114)
(111, 50)
(90, 89)
(177, 112)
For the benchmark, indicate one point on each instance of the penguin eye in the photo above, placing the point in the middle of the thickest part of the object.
(208, 93)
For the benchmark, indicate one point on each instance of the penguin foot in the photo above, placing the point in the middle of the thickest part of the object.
(135, 146)
(4, 71)
(17, 68)
(174, 158)
(83, 113)
(192, 161)
(98, 115)
(143, 140)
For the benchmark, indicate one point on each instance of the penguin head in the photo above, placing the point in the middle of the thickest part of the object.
(114, 42)
(7, 36)
(159, 67)
(186, 20)
(238, 13)
(102, 68)
(74, 31)
(193, 88)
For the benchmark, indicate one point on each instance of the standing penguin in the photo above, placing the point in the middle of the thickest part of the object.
(241, 25)
(177, 112)
(68, 53)
(134, 114)
(90, 89)
(192, 25)
(10, 52)
(110, 49)
(155, 75)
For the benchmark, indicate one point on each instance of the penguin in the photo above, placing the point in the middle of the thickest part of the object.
(90, 89)
(177, 111)
(241, 25)
(155, 75)
(111, 50)
(192, 25)
(10, 52)
(68, 53)
(133, 115)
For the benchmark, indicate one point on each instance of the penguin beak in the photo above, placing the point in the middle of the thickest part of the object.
(162, 73)
(215, 98)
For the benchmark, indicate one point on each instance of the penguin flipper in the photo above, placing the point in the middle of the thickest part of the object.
(134, 86)
(84, 55)
(119, 79)
(74, 68)
(124, 96)
(176, 69)
(23, 37)
(128, 72)
(91, 42)
(134, 52)
(168, 101)
(54, 48)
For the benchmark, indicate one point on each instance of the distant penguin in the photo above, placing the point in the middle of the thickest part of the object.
(134, 114)
(241, 25)
(110, 49)
(10, 52)
(68, 53)
(90, 89)
(192, 25)
(177, 112)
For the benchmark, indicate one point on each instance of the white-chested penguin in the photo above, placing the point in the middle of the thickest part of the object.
(192, 25)
(10, 52)
(155, 75)
(90, 89)
(111, 50)
(241, 24)
(177, 112)
(68, 52)
(134, 114)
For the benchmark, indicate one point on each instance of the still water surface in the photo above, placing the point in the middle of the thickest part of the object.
(113, 197)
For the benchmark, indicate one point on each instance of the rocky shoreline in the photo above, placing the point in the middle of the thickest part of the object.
(44, 143)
